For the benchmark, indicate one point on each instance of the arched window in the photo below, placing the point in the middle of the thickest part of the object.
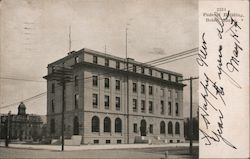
(177, 128)
(162, 127)
(95, 124)
(107, 124)
(118, 125)
(76, 126)
(52, 126)
(170, 128)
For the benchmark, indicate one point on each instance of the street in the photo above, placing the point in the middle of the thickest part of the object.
(152, 152)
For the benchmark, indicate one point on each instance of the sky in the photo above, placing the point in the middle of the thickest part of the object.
(36, 33)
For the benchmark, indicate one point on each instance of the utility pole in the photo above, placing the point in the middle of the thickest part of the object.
(62, 75)
(191, 114)
(126, 51)
(7, 122)
(63, 107)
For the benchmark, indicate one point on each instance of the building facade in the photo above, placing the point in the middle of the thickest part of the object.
(114, 100)
(22, 126)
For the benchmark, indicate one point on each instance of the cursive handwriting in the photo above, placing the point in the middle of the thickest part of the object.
(203, 52)
(217, 136)
(220, 21)
(220, 61)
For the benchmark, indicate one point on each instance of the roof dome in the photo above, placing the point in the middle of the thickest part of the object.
(21, 109)
(21, 105)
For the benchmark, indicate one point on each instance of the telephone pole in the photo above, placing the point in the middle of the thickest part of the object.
(127, 81)
(191, 113)
(7, 122)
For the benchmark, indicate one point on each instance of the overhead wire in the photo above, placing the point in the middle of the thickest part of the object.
(183, 53)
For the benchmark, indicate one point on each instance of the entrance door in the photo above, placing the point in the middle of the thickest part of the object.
(143, 127)
(76, 126)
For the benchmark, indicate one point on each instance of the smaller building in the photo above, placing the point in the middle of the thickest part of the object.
(22, 126)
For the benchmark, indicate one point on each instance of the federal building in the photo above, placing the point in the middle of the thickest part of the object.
(113, 100)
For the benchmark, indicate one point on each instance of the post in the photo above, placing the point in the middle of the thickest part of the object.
(191, 119)
(127, 86)
(63, 107)
(7, 130)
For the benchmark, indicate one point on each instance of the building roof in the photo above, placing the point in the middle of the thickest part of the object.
(130, 60)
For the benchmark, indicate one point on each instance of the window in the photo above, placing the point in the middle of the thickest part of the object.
(106, 102)
(134, 105)
(151, 128)
(134, 87)
(150, 108)
(117, 65)
(143, 106)
(95, 60)
(169, 94)
(95, 80)
(118, 125)
(176, 79)
(161, 92)
(142, 70)
(107, 141)
(150, 91)
(117, 103)
(76, 81)
(162, 107)
(95, 100)
(142, 89)
(52, 126)
(106, 62)
(117, 84)
(162, 127)
(176, 109)
(134, 68)
(107, 124)
(106, 82)
(135, 128)
(169, 108)
(96, 141)
(150, 72)
(162, 75)
(95, 124)
(170, 128)
(119, 141)
(53, 69)
(76, 59)
(52, 106)
(76, 101)
(176, 95)
(177, 128)
(169, 77)
(53, 88)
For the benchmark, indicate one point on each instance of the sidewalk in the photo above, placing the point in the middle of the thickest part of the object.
(96, 147)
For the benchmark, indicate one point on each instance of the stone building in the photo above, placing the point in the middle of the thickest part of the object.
(98, 108)
(22, 126)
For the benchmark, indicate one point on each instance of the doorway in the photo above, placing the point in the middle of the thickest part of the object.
(76, 126)
(143, 127)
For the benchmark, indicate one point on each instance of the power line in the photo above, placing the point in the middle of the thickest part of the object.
(21, 79)
(25, 100)
(174, 55)
(165, 58)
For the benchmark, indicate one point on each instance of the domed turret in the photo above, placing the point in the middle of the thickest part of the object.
(21, 109)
